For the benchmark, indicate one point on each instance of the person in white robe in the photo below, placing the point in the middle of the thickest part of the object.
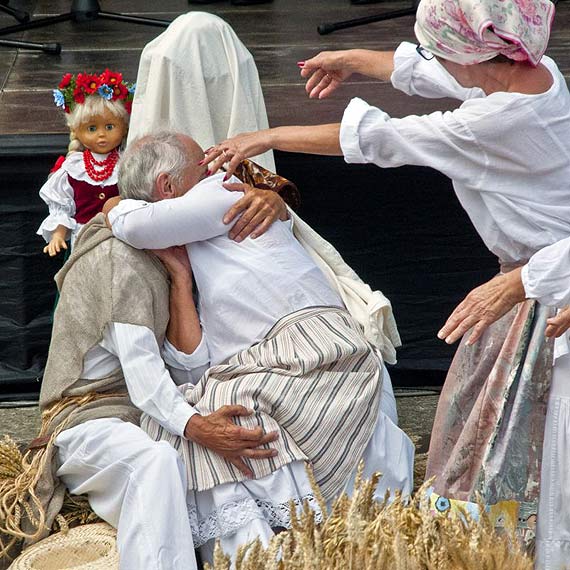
(132, 482)
(244, 289)
(198, 78)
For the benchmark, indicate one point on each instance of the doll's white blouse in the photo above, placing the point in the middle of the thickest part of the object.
(57, 193)
(508, 154)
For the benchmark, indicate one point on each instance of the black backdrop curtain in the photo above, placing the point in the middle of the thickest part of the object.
(404, 232)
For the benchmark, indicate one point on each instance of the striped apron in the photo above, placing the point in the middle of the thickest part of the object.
(314, 379)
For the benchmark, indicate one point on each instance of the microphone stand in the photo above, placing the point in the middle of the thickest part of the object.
(23, 17)
(328, 28)
(81, 11)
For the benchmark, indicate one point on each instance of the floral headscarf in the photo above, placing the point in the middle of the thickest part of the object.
(473, 31)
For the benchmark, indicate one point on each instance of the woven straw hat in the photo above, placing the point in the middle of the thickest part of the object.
(87, 547)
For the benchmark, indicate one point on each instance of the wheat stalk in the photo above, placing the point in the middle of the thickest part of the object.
(402, 534)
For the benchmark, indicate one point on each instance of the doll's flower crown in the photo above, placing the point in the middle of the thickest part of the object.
(73, 89)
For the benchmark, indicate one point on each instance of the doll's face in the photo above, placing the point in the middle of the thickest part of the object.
(102, 133)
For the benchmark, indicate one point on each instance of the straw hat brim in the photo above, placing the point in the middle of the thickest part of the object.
(86, 547)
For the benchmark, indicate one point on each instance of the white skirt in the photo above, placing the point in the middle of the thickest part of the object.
(225, 509)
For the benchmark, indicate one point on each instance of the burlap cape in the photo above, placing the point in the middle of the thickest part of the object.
(104, 281)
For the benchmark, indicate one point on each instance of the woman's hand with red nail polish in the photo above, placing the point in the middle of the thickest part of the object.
(325, 72)
(232, 151)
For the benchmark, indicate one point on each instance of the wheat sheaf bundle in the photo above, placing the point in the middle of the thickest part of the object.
(18, 475)
(362, 534)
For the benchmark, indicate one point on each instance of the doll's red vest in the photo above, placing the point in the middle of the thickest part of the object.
(89, 198)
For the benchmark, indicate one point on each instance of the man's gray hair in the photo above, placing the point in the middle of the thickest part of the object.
(147, 157)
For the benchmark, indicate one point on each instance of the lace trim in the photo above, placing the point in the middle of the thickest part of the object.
(232, 516)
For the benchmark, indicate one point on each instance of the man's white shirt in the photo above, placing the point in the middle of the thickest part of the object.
(151, 385)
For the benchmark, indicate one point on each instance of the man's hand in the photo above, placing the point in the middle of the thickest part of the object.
(260, 209)
(483, 306)
(219, 433)
(176, 261)
(558, 325)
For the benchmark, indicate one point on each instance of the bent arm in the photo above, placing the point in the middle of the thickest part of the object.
(546, 277)
(184, 331)
(57, 193)
(149, 383)
(184, 350)
(483, 306)
(196, 216)
(186, 368)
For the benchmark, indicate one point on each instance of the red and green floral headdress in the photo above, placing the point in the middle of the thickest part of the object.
(72, 90)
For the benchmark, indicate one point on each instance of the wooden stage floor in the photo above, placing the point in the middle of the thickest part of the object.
(278, 35)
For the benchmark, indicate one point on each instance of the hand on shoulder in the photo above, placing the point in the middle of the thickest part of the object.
(108, 206)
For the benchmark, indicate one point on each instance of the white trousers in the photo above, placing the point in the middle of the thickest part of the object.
(553, 521)
(135, 484)
(139, 487)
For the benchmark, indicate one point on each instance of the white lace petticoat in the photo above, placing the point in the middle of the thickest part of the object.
(225, 509)
(234, 515)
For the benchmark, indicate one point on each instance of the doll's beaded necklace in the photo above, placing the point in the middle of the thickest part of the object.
(99, 170)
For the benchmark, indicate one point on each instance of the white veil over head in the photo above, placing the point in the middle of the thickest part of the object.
(198, 78)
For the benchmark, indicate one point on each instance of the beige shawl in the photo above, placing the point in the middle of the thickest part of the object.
(103, 281)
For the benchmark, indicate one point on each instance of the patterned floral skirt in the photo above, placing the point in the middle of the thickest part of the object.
(488, 433)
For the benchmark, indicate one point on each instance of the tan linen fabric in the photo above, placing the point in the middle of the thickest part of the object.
(103, 281)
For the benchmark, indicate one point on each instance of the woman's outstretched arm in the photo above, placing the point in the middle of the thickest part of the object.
(316, 139)
(328, 69)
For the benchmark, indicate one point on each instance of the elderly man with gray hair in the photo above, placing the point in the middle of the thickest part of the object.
(280, 342)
